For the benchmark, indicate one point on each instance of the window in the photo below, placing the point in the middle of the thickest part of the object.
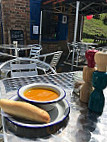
(54, 26)
(49, 26)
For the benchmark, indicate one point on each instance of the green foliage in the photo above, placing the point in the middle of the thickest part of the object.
(95, 26)
(88, 40)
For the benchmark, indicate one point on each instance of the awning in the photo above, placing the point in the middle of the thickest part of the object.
(68, 7)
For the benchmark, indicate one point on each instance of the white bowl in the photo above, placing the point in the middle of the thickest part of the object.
(47, 105)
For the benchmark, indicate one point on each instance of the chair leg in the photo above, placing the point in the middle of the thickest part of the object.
(77, 58)
(68, 56)
(72, 60)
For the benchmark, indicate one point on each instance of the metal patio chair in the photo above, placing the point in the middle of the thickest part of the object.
(51, 58)
(24, 67)
(70, 50)
(35, 50)
(73, 49)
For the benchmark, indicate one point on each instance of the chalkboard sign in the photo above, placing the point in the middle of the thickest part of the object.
(17, 35)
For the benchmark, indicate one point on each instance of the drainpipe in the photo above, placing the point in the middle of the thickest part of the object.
(2, 33)
(76, 20)
(81, 27)
(1, 24)
(75, 31)
(40, 34)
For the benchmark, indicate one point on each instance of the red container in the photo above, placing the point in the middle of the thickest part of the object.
(89, 54)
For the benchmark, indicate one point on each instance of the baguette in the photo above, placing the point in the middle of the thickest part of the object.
(24, 110)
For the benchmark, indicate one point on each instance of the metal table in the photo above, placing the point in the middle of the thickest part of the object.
(16, 49)
(86, 44)
(83, 126)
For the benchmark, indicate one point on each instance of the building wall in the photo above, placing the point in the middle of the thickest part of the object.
(0, 35)
(62, 45)
(16, 16)
(0, 26)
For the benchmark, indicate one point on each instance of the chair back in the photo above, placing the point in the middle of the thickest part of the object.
(35, 50)
(23, 68)
(55, 59)
(70, 47)
(75, 45)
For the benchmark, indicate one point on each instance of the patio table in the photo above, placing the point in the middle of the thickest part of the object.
(86, 44)
(82, 126)
(14, 48)
(102, 48)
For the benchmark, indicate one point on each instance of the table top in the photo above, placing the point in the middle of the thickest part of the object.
(83, 126)
(17, 48)
(11, 46)
(86, 43)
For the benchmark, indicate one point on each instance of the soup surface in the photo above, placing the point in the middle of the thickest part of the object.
(39, 94)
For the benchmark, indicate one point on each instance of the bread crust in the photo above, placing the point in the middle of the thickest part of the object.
(24, 110)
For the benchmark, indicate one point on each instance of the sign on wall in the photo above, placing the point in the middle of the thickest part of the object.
(17, 35)
(35, 29)
(64, 19)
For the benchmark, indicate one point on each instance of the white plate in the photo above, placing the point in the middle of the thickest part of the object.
(23, 127)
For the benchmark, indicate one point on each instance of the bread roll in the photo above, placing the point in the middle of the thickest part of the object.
(24, 110)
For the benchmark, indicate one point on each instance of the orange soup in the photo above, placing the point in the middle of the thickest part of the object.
(39, 94)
